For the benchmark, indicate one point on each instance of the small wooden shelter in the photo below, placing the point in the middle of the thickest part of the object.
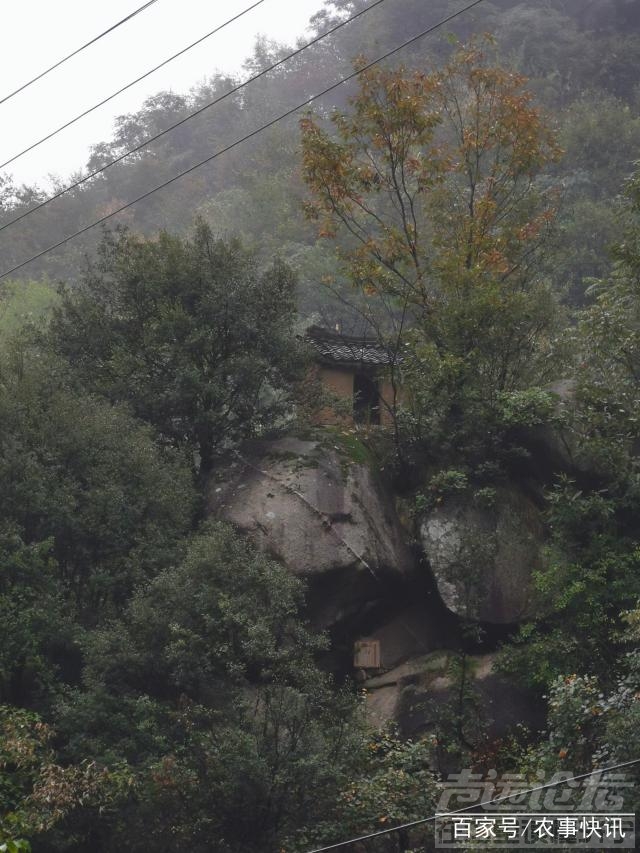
(356, 370)
(366, 654)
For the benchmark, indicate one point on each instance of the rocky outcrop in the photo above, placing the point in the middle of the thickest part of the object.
(321, 512)
(317, 506)
(482, 556)
(420, 694)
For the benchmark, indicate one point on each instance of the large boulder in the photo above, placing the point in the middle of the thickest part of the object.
(317, 507)
(483, 555)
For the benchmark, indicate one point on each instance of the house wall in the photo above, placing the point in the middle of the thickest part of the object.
(386, 402)
(339, 381)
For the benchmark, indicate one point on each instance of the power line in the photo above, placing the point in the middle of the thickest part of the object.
(128, 86)
(187, 118)
(248, 136)
(494, 801)
(78, 50)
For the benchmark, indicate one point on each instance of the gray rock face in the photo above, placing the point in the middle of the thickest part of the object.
(315, 509)
(418, 693)
(483, 557)
(498, 705)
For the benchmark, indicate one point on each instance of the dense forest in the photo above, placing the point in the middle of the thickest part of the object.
(473, 206)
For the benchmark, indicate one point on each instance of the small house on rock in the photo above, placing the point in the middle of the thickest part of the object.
(356, 370)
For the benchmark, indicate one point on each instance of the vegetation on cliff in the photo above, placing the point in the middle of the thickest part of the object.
(161, 688)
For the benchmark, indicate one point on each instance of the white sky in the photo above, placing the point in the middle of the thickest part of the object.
(37, 33)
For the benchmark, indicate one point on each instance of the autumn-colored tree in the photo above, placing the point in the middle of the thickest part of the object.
(431, 183)
(41, 799)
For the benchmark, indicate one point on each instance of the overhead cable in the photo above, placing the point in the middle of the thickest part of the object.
(151, 139)
(78, 50)
(248, 136)
(128, 85)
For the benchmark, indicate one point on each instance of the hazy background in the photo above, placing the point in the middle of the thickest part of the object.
(37, 33)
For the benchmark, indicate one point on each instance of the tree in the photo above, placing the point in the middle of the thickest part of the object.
(600, 136)
(21, 302)
(226, 615)
(39, 631)
(188, 332)
(37, 795)
(431, 180)
(594, 722)
(207, 687)
(89, 506)
(392, 783)
(592, 571)
(608, 341)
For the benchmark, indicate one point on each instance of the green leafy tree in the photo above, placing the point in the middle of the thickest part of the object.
(207, 687)
(609, 345)
(594, 722)
(580, 250)
(594, 555)
(392, 783)
(22, 303)
(591, 572)
(189, 332)
(224, 616)
(90, 507)
(38, 625)
(600, 136)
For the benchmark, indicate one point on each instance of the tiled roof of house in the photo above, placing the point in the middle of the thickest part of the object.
(345, 349)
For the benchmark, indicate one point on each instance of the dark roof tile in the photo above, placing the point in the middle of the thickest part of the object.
(346, 349)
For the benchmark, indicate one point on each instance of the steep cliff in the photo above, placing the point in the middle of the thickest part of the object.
(324, 515)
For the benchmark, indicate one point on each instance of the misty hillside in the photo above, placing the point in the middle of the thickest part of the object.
(581, 58)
